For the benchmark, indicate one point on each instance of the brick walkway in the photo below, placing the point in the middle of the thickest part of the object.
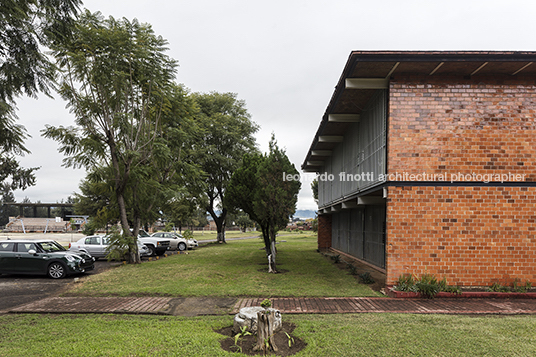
(97, 305)
(407, 306)
(175, 306)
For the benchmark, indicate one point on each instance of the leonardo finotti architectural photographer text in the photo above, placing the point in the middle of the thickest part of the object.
(405, 176)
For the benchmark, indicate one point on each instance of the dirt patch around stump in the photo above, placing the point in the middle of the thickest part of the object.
(247, 343)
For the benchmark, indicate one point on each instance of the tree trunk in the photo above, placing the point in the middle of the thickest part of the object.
(219, 221)
(265, 332)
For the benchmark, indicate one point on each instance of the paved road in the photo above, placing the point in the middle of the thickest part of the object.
(22, 289)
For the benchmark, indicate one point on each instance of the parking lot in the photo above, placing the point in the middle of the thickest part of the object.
(21, 289)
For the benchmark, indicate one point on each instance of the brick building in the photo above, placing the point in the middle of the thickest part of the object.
(427, 164)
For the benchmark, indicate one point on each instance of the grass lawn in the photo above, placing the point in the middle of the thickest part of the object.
(208, 235)
(238, 268)
(325, 335)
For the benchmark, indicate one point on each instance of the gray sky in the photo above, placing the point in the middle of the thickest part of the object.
(283, 58)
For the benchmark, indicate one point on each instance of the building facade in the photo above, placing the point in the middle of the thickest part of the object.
(426, 164)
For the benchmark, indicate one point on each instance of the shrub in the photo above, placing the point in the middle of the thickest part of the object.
(406, 283)
(188, 234)
(119, 244)
(366, 278)
(428, 286)
(498, 288)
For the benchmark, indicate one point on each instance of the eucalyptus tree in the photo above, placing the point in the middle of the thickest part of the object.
(118, 82)
(27, 27)
(227, 134)
(258, 188)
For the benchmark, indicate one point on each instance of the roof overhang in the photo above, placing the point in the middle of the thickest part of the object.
(368, 71)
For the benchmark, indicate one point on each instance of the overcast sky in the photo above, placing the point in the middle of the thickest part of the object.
(283, 58)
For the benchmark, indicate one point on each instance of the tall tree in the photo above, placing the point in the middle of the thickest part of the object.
(27, 27)
(118, 82)
(7, 211)
(258, 188)
(227, 135)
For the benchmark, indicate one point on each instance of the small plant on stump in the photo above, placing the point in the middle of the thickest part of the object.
(265, 329)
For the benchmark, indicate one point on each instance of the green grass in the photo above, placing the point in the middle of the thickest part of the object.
(325, 335)
(238, 268)
(208, 235)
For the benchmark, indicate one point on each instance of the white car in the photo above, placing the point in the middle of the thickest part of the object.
(96, 246)
(177, 241)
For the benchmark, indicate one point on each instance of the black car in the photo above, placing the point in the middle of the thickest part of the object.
(42, 257)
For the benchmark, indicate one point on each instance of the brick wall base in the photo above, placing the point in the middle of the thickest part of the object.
(324, 231)
(473, 236)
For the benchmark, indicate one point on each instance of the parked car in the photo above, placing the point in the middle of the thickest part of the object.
(96, 246)
(156, 246)
(177, 241)
(46, 257)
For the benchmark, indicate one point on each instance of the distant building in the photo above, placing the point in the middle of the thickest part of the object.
(427, 164)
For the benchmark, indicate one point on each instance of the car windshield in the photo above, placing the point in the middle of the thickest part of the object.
(51, 247)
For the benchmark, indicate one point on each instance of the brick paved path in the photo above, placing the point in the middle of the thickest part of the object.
(380, 305)
(97, 305)
(171, 306)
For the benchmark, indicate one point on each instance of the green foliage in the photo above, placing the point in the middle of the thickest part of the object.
(336, 258)
(353, 269)
(258, 188)
(89, 228)
(188, 234)
(498, 288)
(405, 282)
(266, 303)
(227, 134)
(243, 332)
(120, 245)
(134, 127)
(27, 26)
(7, 211)
(519, 288)
(168, 227)
(12, 138)
(290, 340)
(366, 278)
(314, 225)
(314, 187)
(427, 286)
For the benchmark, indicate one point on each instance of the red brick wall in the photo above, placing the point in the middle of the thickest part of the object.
(481, 126)
(473, 236)
(470, 235)
(324, 231)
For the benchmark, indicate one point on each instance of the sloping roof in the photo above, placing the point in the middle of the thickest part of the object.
(365, 71)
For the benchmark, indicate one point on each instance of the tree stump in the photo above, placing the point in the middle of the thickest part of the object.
(265, 332)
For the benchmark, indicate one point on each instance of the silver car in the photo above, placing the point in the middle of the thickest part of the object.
(96, 246)
(177, 241)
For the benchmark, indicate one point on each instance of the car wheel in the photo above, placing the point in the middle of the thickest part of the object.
(181, 246)
(56, 270)
(151, 251)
